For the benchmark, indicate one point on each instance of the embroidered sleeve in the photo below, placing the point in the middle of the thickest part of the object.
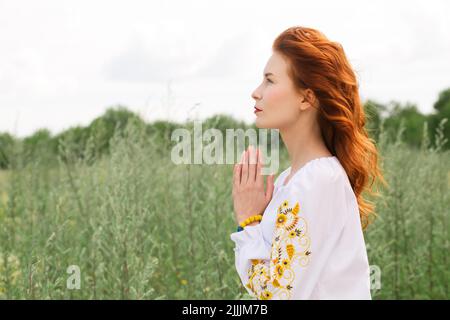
(308, 224)
(290, 251)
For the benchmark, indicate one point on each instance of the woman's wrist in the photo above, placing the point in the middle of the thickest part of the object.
(253, 223)
(252, 220)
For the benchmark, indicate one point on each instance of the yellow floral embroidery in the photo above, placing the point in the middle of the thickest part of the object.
(276, 283)
(279, 270)
(266, 295)
(290, 248)
(286, 262)
(281, 219)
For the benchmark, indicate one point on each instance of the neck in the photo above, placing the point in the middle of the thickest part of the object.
(304, 141)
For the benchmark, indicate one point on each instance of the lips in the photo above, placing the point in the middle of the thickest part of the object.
(257, 109)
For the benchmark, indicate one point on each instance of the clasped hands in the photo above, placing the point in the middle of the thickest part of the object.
(249, 196)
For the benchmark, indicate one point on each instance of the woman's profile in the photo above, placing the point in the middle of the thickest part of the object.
(309, 242)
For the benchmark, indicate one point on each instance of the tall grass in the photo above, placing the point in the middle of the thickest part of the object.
(140, 227)
(409, 240)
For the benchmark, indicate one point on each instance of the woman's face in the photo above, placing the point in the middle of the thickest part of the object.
(276, 97)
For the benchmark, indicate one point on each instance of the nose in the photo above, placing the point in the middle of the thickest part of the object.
(256, 95)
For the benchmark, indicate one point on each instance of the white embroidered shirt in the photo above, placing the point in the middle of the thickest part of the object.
(309, 243)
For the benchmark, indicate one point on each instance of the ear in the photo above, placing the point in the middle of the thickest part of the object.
(307, 99)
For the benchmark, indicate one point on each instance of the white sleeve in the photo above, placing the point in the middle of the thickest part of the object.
(310, 219)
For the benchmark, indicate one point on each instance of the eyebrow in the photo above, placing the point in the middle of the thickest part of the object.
(268, 74)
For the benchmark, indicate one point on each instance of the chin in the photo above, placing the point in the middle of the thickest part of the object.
(261, 124)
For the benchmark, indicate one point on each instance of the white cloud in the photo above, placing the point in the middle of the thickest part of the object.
(63, 63)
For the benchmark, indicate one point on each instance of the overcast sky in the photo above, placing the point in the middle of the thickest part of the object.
(63, 63)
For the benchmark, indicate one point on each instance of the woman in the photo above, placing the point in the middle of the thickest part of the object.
(309, 243)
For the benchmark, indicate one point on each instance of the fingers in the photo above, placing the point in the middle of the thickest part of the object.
(261, 157)
(242, 157)
(244, 174)
(252, 164)
(237, 172)
(259, 177)
(250, 169)
(270, 187)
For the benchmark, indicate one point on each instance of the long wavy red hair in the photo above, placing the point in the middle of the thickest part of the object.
(322, 66)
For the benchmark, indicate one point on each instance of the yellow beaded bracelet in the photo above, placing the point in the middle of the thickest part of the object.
(251, 219)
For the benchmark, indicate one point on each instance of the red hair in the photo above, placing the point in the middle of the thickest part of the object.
(321, 65)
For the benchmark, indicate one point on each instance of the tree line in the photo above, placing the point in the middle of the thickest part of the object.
(97, 135)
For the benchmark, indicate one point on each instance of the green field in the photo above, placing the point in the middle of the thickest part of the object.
(140, 227)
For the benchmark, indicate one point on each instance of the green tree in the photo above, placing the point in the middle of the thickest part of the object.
(375, 112)
(413, 121)
(39, 147)
(102, 128)
(6, 149)
(441, 111)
